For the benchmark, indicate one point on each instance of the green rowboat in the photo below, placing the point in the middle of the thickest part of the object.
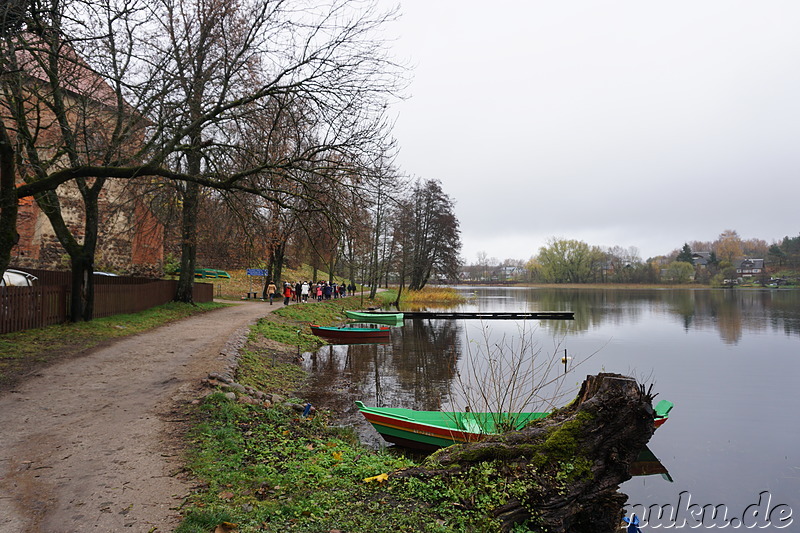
(392, 319)
(429, 430)
(347, 335)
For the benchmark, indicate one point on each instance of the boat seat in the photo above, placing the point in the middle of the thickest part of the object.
(468, 423)
(472, 426)
(663, 408)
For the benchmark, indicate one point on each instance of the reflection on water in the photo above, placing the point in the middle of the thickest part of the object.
(728, 359)
(730, 312)
(415, 370)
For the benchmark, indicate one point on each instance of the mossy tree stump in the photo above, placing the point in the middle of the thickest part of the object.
(564, 471)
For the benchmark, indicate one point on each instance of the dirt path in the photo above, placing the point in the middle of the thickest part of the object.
(89, 444)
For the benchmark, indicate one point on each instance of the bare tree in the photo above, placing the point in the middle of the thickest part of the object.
(356, 233)
(326, 86)
(384, 183)
(63, 117)
(196, 73)
(435, 242)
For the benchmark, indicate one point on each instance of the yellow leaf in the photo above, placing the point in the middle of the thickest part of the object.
(337, 456)
(226, 527)
(379, 478)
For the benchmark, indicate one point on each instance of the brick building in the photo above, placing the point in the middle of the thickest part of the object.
(130, 238)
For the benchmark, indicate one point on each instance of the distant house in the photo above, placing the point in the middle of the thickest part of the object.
(507, 273)
(701, 259)
(748, 268)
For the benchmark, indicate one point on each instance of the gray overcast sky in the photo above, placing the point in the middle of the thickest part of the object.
(630, 123)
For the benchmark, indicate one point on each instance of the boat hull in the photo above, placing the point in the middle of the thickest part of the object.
(430, 430)
(376, 318)
(352, 334)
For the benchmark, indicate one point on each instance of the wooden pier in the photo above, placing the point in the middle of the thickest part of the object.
(546, 315)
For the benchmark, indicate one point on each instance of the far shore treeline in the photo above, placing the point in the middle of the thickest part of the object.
(727, 261)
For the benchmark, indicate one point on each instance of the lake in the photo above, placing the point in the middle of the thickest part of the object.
(728, 359)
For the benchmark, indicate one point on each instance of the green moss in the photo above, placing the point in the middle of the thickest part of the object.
(561, 446)
(577, 469)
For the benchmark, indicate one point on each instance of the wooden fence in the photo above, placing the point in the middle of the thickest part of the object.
(43, 305)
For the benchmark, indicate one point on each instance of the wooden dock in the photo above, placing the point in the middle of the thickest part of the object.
(546, 315)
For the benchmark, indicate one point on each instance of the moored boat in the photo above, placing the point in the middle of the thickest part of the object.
(376, 317)
(352, 334)
(429, 430)
(662, 410)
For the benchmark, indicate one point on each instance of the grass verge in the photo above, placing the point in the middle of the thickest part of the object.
(271, 469)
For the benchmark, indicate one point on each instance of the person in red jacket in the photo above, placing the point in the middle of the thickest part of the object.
(287, 293)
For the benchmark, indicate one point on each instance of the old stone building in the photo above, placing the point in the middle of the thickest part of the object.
(130, 238)
(130, 241)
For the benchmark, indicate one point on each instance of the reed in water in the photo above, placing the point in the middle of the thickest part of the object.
(433, 295)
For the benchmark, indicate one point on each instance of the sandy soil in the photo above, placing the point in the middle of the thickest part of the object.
(93, 443)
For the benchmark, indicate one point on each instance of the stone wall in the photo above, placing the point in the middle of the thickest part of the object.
(130, 239)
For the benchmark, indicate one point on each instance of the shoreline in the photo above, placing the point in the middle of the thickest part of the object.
(626, 286)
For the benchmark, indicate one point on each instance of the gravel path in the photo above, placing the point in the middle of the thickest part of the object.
(90, 444)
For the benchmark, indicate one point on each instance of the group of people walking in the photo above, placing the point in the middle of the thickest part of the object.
(301, 291)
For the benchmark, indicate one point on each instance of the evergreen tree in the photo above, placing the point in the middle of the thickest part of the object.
(685, 255)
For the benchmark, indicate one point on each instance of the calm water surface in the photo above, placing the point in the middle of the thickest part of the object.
(729, 360)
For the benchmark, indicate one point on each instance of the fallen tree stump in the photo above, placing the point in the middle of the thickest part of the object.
(563, 471)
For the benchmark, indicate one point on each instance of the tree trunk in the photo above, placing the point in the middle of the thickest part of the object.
(278, 256)
(270, 271)
(402, 284)
(399, 292)
(334, 262)
(191, 204)
(570, 463)
(185, 290)
(87, 251)
(82, 291)
(8, 199)
(81, 255)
